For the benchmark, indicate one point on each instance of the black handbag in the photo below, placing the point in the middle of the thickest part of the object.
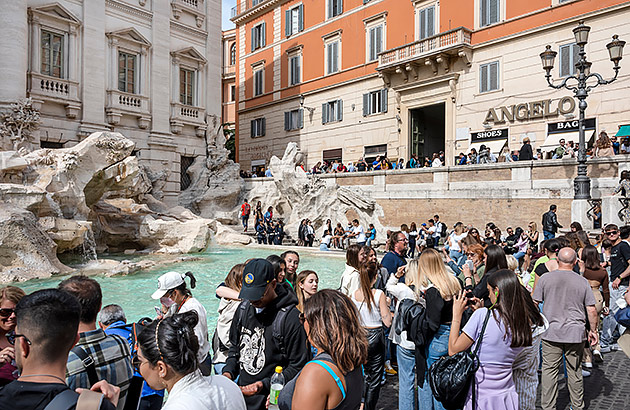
(450, 377)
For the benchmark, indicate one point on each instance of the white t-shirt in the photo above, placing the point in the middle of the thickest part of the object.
(433, 232)
(455, 239)
(196, 392)
(360, 233)
(436, 163)
(326, 240)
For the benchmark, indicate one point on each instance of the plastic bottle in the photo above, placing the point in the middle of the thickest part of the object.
(277, 384)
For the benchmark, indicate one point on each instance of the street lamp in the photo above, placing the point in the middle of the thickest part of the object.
(582, 183)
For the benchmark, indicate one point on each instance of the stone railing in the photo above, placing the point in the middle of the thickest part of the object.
(422, 48)
(182, 114)
(54, 88)
(133, 103)
(229, 70)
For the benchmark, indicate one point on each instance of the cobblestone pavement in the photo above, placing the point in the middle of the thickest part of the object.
(608, 387)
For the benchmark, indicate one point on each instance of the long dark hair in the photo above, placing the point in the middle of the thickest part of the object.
(174, 342)
(367, 273)
(352, 256)
(496, 258)
(193, 283)
(590, 256)
(515, 306)
(277, 262)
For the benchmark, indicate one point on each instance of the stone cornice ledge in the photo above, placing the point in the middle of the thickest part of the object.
(129, 9)
(254, 12)
(177, 26)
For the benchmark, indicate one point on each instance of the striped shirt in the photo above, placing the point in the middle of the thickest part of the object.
(112, 361)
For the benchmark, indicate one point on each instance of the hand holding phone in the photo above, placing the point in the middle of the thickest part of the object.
(471, 265)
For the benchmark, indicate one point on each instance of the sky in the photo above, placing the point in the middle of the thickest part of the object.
(226, 8)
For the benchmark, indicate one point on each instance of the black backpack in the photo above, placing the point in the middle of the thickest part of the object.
(442, 229)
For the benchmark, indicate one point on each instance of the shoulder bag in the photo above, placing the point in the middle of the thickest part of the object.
(450, 377)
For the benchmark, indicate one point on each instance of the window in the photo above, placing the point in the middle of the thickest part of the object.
(258, 127)
(332, 111)
(332, 57)
(569, 55)
(488, 12)
(186, 86)
(375, 42)
(51, 144)
(126, 72)
(294, 120)
(232, 93)
(489, 77)
(427, 22)
(375, 102)
(184, 179)
(332, 155)
(295, 69)
(256, 2)
(259, 80)
(52, 54)
(294, 20)
(258, 36)
(335, 8)
(233, 54)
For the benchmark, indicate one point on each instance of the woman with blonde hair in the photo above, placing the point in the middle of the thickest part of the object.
(9, 298)
(440, 290)
(307, 283)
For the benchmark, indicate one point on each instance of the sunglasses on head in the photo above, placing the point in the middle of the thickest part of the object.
(6, 312)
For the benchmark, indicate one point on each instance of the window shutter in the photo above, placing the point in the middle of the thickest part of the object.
(483, 79)
(576, 58)
(330, 8)
(298, 69)
(336, 56)
(287, 120)
(262, 35)
(287, 25)
(494, 11)
(423, 23)
(379, 40)
(483, 12)
(301, 18)
(253, 38)
(430, 21)
(324, 113)
(366, 104)
(252, 126)
(301, 118)
(384, 100)
(339, 7)
(339, 110)
(263, 126)
(494, 76)
(371, 45)
(565, 60)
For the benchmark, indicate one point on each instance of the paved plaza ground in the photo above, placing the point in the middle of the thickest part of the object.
(608, 387)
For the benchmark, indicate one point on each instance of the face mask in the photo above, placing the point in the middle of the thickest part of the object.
(168, 302)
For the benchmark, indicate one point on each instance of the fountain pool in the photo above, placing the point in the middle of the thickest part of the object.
(133, 292)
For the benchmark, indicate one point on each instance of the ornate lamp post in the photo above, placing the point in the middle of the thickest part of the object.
(581, 86)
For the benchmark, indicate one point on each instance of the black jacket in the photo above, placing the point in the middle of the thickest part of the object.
(550, 222)
(525, 154)
(255, 352)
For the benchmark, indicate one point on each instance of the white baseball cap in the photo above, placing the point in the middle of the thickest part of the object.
(166, 282)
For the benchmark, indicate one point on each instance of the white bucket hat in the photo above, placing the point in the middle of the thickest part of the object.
(166, 282)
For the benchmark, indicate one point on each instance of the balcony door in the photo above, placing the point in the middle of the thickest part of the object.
(427, 130)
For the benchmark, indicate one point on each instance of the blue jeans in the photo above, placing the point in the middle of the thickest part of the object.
(549, 235)
(436, 349)
(245, 220)
(455, 255)
(323, 247)
(519, 257)
(611, 330)
(406, 377)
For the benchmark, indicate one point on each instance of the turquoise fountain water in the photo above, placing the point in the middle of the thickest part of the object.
(133, 292)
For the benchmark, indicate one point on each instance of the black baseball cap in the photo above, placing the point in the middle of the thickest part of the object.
(258, 273)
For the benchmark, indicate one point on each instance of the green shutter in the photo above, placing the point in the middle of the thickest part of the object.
(253, 39)
(324, 113)
(366, 104)
(384, 100)
(339, 110)
(287, 26)
(301, 118)
(301, 18)
(263, 41)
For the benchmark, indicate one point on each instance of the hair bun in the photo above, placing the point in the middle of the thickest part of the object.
(186, 319)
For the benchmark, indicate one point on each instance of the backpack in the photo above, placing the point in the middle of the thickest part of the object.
(276, 327)
(134, 329)
(442, 229)
(67, 399)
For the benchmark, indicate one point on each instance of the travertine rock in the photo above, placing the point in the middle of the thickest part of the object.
(227, 236)
(26, 251)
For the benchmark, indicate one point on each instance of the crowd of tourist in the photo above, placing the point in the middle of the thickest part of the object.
(522, 301)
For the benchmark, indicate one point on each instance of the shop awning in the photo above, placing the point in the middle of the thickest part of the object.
(624, 131)
(553, 140)
(495, 146)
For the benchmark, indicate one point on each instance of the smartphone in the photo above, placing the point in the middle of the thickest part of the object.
(157, 310)
(471, 265)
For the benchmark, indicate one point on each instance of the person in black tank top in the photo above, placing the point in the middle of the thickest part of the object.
(333, 380)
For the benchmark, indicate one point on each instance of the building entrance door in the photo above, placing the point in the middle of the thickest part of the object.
(427, 131)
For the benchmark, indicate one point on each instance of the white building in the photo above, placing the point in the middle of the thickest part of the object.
(149, 69)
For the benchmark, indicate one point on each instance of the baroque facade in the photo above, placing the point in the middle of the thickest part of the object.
(149, 69)
(347, 79)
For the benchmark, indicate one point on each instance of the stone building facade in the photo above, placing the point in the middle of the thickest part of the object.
(347, 79)
(149, 69)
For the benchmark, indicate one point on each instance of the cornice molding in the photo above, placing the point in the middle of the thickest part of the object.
(254, 12)
(129, 9)
(183, 28)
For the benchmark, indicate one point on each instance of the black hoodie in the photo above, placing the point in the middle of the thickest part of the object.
(254, 352)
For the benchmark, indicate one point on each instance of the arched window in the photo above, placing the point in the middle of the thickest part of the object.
(233, 54)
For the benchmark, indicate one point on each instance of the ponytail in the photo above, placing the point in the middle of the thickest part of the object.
(193, 281)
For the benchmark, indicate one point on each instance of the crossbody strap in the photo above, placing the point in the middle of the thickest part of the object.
(88, 363)
(63, 401)
(89, 400)
(334, 376)
(483, 330)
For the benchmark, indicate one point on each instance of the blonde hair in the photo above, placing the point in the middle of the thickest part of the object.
(459, 228)
(432, 271)
(412, 277)
(534, 226)
(11, 293)
(301, 278)
(512, 262)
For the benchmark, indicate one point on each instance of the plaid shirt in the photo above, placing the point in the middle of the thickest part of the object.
(112, 361)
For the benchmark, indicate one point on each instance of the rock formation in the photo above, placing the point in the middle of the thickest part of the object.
(296, 196)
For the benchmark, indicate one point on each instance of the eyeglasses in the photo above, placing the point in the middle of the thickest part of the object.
(403, 240)
(6, 312)
(12, 336)
(611, 233)
(136, 363)
(470, 254)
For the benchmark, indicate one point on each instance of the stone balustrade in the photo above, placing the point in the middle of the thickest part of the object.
(121, 103)
(46, 88)
(182, 114)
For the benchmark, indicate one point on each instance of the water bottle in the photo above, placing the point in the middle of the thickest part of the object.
(277, 384)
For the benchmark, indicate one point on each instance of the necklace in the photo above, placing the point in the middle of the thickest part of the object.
(182, 304)
(43, 375)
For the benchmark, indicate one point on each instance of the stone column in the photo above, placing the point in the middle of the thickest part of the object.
(13, 50)
(72, 54)
(160, 62)
(93, 77)
(36, 45)
(113, 64)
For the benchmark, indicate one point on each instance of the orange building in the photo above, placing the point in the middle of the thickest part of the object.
(228, 90)
(347, 79)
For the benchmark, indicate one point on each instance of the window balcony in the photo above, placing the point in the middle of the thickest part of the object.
(120, 103)
(53, 89)
(182, 114)
(194, 7)
(229, 71)
(436, 51)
